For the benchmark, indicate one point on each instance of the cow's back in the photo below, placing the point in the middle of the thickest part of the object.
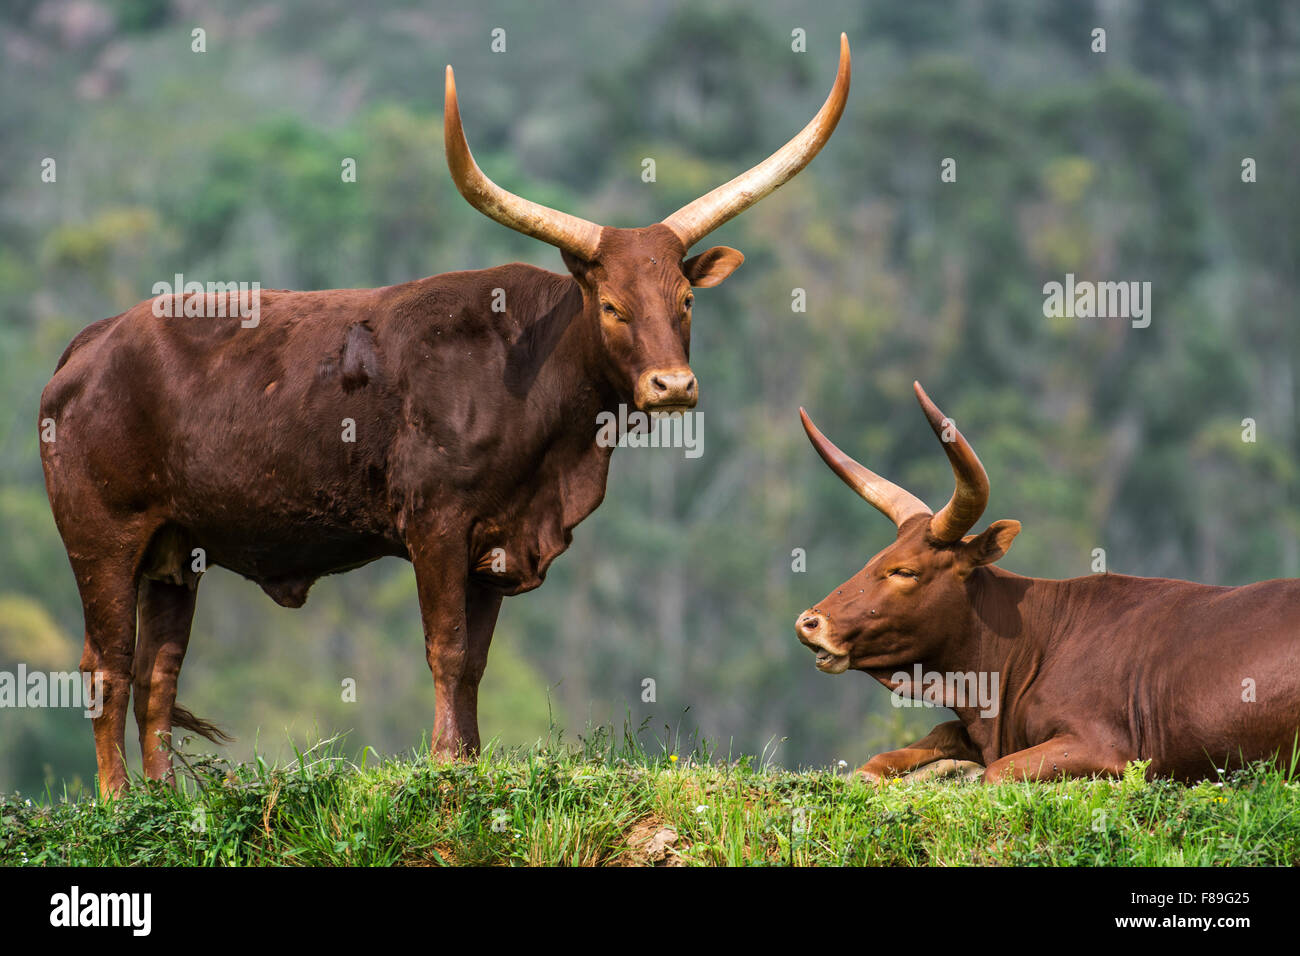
(206, 397)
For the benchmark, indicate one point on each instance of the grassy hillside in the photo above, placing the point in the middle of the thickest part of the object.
(605, 801)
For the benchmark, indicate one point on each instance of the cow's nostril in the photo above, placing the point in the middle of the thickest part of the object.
(811, 623)
(676, 387)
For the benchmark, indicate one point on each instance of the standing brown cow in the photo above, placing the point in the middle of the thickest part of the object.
(475, 439)
(1087, 674)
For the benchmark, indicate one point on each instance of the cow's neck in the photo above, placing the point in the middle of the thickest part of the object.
(1015, 624)
(569, 389)
(557, 376)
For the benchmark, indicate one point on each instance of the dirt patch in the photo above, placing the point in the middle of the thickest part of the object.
(441, 854)
(650, 843)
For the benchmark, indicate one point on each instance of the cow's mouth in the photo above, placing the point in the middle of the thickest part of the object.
(830, 663)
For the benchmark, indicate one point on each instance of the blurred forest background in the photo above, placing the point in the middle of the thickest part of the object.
(1123, 165)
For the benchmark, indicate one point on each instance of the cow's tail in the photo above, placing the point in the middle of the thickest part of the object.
(183, 718)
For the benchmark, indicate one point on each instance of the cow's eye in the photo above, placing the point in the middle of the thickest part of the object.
(689, 301)
(904, 573)
(609, 309)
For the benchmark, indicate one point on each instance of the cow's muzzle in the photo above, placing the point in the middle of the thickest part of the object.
(667, 390)
(814, 632)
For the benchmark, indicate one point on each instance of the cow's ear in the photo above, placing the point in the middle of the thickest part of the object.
(712, 266)
(989, 546)
(578, 267)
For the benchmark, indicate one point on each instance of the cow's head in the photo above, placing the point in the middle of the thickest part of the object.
(636, 283)
(913, 597)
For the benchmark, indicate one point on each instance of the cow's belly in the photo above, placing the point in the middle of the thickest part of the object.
(1234, 704)
(284, 563)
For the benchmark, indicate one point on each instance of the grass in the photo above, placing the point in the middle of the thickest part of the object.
(607, 801)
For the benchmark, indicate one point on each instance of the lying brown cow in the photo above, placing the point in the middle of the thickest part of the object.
(1087, 674)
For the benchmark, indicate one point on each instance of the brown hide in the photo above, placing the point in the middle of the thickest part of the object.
(1091, 672)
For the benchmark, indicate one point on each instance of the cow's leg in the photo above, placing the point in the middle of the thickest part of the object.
(1060, 757)
(108, 598)
(940, 769)
(948, 741)
(166, 613)
(441, 579)
(482, 604)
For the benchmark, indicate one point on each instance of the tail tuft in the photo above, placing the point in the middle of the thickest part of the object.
(183, 718)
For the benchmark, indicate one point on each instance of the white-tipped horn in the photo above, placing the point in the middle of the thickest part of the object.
(696, 220)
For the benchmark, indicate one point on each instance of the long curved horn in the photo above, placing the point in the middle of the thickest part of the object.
(570, 233)
(893, 502)
(693, 222)
(971, 496)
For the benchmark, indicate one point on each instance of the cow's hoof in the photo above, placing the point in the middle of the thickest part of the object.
(944, 769)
